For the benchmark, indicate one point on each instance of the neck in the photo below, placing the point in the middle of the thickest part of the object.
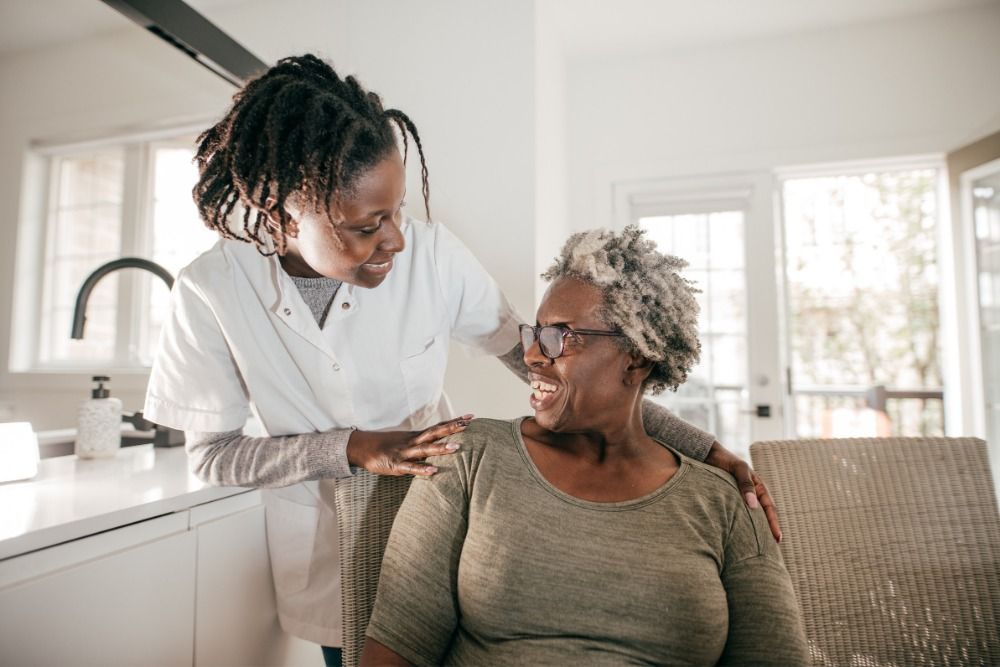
(294, 265)
(615, 439)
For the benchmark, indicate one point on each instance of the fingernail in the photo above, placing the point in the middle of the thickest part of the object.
(779, 538)
(468, 416)
(431, 470)
(751, 499)
(452, 446)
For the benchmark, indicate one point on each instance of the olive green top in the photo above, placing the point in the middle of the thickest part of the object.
(488, 563)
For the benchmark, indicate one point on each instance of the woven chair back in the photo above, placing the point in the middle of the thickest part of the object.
(893, 546)
(366, 507)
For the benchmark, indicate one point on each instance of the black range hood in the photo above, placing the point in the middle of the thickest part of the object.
(184, 28)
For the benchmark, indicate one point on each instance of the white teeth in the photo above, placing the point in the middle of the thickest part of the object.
(538, 385)
(379, 266)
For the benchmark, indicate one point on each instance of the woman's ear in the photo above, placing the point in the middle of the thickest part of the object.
(274, 218)
(637, 370)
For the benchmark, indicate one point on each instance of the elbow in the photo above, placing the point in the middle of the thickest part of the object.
(202, 464)
(202, 469)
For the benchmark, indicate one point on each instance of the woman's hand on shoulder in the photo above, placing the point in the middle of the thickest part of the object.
(403, 452)
(751, 486)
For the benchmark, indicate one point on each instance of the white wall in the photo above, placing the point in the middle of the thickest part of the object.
(551, 168)
(921, 84)
(462, 71)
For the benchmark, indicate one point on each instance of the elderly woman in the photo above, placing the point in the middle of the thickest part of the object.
(572, 537)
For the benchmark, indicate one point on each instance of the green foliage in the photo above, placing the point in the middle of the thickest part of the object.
(863, 280)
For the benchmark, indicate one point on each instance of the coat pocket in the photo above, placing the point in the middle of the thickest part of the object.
(291, 535)
(423, 374)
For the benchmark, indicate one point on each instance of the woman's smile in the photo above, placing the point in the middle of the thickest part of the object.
(543, 393)
(377, 268)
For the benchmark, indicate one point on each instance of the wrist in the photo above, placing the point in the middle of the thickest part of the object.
(355, 446)
(718, 456)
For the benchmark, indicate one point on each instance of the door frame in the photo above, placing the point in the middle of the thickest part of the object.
(968, 250)
(752, 193)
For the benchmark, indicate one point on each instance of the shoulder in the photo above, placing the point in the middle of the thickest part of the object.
(711, 482)
(419, 234)
(206, 267)
(482, 435)
(745, 531)
(483, 428)
(423, 247)
(435, 239)
(431, 242)
(483, 444)
(485, 448)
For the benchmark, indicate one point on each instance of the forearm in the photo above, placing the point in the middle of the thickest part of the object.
(664, 425)
(514, 361)
(233, 459)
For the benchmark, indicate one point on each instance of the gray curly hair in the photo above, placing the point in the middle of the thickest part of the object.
(644, 297)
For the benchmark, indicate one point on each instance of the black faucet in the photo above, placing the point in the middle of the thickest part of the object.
(79, 312)
(162, 435)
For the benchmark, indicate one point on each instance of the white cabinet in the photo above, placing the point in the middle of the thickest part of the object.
(188, 588)
(236, 621)
(123, 597)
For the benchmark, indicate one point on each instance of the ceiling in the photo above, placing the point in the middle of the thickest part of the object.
(580, 28)
(585, 29)
(33, 24)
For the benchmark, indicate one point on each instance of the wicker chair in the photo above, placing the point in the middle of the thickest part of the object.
(366, 507)
(893, 545)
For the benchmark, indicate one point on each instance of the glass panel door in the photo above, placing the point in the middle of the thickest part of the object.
(862, 285)
(986, 220)
(715, 394)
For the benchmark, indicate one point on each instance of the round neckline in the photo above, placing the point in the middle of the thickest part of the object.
(616, 506)
(321, 284)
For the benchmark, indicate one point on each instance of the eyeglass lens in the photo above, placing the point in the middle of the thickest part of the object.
(550, 339)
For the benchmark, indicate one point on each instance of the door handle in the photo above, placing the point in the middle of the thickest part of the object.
(763, 411)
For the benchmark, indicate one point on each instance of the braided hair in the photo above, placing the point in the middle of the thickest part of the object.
(298, 127)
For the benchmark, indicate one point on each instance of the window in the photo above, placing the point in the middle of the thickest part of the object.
(122, 198)
(821, 296)
(985, 192)
(712, 244)
(862, 293)
(723, 225)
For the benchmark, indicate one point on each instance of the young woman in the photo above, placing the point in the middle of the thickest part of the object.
(572, 537)
(328, 315)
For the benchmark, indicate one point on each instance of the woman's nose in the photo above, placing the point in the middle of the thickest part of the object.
(392, 239)
(533, 355)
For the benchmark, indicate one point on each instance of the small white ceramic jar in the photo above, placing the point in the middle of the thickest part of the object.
(99, 426)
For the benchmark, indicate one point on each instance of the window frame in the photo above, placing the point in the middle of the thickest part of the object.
(752, 193)
(24, 369)
(619, 189)
(968, 249)
(953, 331)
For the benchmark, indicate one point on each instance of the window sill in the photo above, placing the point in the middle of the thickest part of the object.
(122, 379)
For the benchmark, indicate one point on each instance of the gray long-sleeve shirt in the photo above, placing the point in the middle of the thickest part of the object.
(233, 459)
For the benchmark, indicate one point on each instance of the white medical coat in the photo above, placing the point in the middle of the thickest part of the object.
(240, 337)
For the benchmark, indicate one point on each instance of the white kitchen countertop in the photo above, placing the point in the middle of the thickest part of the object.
(72, 497)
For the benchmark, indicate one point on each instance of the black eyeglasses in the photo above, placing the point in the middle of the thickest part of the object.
(551, 339)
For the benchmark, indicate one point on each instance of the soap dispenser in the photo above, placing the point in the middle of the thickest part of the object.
(99, 428)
